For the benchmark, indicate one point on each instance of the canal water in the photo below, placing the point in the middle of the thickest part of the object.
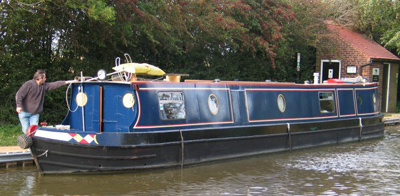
(361, 168)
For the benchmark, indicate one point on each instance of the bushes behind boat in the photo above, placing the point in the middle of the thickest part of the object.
(9, 134)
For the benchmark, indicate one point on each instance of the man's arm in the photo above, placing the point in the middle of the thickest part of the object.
(57, 84)
(70, 81)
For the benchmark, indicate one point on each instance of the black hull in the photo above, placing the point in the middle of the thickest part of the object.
(196, 146)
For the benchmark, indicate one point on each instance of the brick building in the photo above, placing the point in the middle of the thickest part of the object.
(356, 55)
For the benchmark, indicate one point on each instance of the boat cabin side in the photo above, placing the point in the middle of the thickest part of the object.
(155, 106)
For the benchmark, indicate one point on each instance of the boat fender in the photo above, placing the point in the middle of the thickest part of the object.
(24, 141)
(31, 130)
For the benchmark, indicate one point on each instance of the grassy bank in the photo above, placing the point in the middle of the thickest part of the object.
(9, 134)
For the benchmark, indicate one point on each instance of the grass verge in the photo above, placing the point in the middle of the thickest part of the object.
(9, 134)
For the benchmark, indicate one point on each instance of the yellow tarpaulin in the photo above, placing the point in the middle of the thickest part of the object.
(140, 68)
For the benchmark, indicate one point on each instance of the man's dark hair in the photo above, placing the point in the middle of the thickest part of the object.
(39, 74)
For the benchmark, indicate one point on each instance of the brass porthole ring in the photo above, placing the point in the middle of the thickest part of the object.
(281, 101)
(213, 104)
(128, 100)
(81, 99)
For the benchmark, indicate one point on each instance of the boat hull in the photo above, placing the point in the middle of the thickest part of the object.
(138, 151)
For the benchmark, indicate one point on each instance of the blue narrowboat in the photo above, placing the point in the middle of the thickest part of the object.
(123, 123)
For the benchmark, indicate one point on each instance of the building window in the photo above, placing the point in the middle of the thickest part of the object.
(171, 105)
(326, 103)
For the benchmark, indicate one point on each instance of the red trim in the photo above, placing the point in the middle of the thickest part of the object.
(294, 118)
(137, 123)
(323, 87)
(182, 124)
(256, 84)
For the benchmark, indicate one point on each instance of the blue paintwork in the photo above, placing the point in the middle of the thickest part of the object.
(239, 105)
(367, 104)
(299, 105)
(346, 103)
(116, 117)
(173, 124)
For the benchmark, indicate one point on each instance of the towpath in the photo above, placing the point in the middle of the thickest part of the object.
(5, 149)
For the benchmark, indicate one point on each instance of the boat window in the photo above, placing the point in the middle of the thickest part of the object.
(326, 102)
(128, 100)
(213, 104)
(281, 103)
(171, 105)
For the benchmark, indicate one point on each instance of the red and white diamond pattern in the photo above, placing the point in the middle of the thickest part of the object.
(89, 138)
(68, 137)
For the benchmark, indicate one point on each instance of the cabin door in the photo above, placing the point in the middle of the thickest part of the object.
(330, 70)
(118, 108)
(84, 111)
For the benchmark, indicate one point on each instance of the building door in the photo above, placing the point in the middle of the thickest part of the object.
(330, 70)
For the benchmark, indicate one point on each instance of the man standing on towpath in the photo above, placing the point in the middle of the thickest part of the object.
(30, 98)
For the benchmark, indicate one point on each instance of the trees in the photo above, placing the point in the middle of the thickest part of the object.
(226, 39)
(391, 27)
(245, 40)
(41, 35)
(224, 33)
(377, 19)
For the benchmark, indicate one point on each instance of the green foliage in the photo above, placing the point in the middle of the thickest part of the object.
(208, 39)
(379, 19)
(398, 107)
(391, 38)
(98, 10)
(9, 134)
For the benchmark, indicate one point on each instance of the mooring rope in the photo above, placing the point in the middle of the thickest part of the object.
(66, 99)
(45, 153)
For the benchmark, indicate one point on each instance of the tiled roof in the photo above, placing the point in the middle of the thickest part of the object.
(370, 48)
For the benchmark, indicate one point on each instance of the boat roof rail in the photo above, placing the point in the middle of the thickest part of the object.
(236, 82)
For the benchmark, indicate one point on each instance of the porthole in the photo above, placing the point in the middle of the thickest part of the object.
(375, 102)
(374, 98)
(213, 104)
(281, 103)
(359, 99)
(81, 99)
(128, 100)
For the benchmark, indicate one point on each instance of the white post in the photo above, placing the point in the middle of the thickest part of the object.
(316, 77)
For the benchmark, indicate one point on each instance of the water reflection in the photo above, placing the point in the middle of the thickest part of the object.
(366, 168)
(17, 181)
